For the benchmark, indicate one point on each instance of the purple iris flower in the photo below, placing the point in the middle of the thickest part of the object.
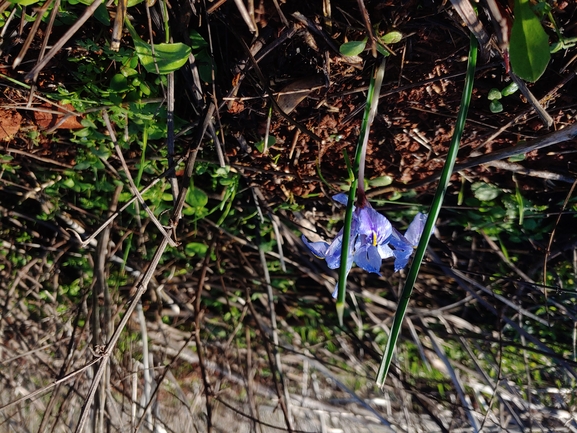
(373, 239)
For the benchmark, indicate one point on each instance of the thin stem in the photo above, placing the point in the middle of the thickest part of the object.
(358, 183)
(370, 112)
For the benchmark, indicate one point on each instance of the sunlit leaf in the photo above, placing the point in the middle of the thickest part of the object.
(196, 197)
(529, 44)
(195, 249)
(197, 40)
(382, 50)
(23, 2)
(494, 94)
(510, 89)
(353, 48)
(392, 37)
(496, 106)
(168, 57)
(485, 191)
(260, 144)
(380, 181)
(517, 158)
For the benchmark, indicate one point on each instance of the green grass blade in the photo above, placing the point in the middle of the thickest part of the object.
(433, 214)
(358, 164)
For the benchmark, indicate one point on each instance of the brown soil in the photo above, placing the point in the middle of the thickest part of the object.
(420, 98)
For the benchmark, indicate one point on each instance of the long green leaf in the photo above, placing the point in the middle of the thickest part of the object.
(433, 214)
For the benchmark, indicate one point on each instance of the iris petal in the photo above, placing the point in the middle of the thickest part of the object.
(368, 258)
(341, 198)
(402, 258)
(319, 249)
(385, 251)
(413, 233)
(373, 223)
(333, 253)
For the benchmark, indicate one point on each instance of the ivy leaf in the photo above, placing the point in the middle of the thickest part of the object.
(529, 44)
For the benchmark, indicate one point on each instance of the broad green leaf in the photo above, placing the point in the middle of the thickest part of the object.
(496, 106)
(485, 191)
(195, 249)
(101, 14)
(68, 182)
(510, 89)
(196, 197)
(23, 2)
(119, 83)
(260, 144)
(494, 94)
(145, 88)
(169, 57)
(353, 48)
(517, 158)
(101, 153)
(128, 72)
(380, 181)
(392, 37)
(529, 44)
(197, 40)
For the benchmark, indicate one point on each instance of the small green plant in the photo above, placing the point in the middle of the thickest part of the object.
(495, 96)
(497, 212)
(354, 48)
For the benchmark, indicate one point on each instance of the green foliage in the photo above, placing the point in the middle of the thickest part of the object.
(353, 48)
(164, 58)
(202, 57)
(260, 144)
(7, 165)
(495, 95)
(529, 44)
(103, 85)
(498, 212)
(510, 89)
(196, 249)
(392, 37)
(23, 2)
